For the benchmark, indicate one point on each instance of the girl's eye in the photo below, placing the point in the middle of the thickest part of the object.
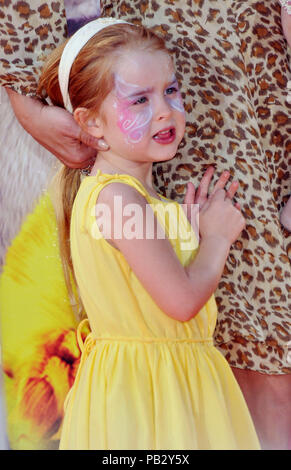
(171, 90)
(140, 100)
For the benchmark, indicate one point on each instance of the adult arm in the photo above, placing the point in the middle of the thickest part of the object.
(29, 32)
(55, 129)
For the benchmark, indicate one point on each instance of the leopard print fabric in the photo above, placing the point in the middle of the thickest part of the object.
(233, 66)
(29, 31)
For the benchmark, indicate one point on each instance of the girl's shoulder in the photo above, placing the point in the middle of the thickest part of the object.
(111, 197)
(117, 189)
(120, 183)
(110, 187)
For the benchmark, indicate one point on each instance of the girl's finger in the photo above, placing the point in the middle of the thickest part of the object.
(202, 191)
(223, 179)
(189, 200)
(190, 194)
(232, 189)
(218, 194)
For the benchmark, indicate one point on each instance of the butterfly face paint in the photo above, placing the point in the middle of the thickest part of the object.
(134, 123)
(175, 100)
(135, 111)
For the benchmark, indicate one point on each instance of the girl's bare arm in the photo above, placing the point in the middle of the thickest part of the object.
(180, 292)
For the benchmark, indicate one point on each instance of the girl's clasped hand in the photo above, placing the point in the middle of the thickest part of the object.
(219, 215)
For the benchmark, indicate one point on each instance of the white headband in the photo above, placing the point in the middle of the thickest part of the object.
(72, 49)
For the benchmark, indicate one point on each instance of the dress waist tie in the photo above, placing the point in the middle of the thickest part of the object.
(85, 347)
(88, 344)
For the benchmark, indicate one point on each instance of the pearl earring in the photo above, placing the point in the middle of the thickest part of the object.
(102, 145)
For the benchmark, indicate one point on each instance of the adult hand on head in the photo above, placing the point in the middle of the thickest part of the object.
(55, 129)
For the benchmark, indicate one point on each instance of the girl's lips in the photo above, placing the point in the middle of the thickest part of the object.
(165, 136)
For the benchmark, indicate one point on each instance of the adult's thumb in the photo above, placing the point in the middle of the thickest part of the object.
(88, 140)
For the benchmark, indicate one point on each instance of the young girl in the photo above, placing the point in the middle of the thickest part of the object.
(149, 377)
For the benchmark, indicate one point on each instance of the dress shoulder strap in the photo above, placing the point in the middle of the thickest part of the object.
(106, 178)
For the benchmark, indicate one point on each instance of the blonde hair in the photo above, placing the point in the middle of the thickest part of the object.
(91, 80)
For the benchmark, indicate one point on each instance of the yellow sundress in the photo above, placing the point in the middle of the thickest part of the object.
(145, 380)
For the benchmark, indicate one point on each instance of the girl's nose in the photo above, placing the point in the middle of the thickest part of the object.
(163, 109)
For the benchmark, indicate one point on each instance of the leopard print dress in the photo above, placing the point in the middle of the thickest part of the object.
(29, 31)
(233, 65)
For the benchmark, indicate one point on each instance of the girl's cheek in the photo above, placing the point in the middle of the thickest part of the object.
(176, 103)
(134, 125)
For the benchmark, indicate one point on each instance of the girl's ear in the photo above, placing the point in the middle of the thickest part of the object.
(92, 126)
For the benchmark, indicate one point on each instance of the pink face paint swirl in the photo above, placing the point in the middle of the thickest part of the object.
(133, 124)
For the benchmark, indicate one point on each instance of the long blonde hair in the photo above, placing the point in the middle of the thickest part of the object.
(91, 80)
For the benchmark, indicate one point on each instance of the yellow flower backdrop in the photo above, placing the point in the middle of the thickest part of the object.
(40, 353)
